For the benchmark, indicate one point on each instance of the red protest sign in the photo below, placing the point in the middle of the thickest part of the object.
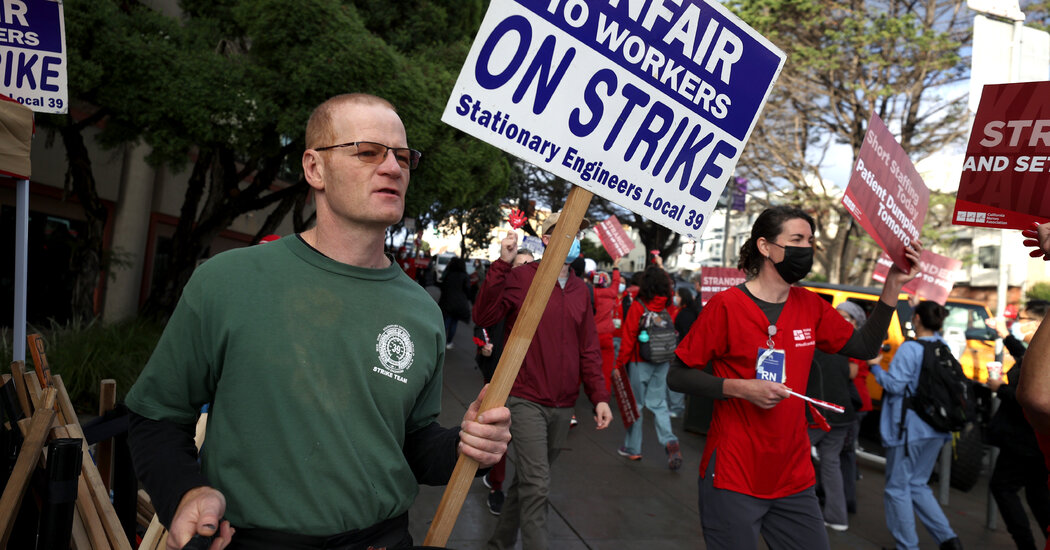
(885, 193)
(1004, 176)
(615, 240)
(716, 279)
(933, 283)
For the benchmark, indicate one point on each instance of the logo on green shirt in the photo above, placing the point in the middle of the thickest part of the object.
(395, 349)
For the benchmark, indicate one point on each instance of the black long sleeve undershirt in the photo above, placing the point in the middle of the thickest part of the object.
(863, 344)
(165, 459)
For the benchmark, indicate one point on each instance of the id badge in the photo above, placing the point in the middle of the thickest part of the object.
(770, 365)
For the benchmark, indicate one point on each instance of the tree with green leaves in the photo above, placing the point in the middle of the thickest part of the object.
(227, 88)
(847, 60)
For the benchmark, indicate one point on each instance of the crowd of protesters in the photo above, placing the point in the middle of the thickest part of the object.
(755, 422)
(756, 478)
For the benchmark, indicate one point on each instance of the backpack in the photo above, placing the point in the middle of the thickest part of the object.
(663, 338)
(944, 397)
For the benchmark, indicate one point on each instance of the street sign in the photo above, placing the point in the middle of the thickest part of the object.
(33, 56)
(648, 104)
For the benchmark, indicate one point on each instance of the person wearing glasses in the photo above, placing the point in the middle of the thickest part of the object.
(323, 364)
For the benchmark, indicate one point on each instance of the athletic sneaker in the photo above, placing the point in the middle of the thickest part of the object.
(495, 502)
(836, 526)
(573, 422)
(450, 345)
(674, 456)
(622, 451)
(485, 479)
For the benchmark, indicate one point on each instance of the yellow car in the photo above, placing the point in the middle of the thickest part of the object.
(969, 338)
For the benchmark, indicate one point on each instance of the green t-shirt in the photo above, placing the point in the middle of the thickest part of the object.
(316, 370)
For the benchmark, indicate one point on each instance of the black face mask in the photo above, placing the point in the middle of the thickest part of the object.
(797, 262)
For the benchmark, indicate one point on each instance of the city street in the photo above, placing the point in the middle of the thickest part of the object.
(600, 500)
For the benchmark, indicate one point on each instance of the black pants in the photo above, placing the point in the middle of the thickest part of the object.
(1013, 472)
(392, 533)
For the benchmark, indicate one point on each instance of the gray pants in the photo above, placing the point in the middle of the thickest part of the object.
(734, 521)
(829, 447)
(537, 435)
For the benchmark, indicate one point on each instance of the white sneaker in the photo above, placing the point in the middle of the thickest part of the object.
(450, 345)
(836, 526)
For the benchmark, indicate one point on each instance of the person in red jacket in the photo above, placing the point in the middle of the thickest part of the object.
(756, 475)
(648, 380)
(564, 352)
(605, 315)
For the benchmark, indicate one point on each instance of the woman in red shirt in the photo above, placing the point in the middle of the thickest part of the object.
(648, 379)
(756, 474)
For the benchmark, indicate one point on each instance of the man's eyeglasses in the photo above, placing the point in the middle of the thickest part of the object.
(375, 153)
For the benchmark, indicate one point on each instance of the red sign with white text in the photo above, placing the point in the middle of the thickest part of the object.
(615, 240)
(716, 279)
(885, 193)
(1006, 172)
(933, 283)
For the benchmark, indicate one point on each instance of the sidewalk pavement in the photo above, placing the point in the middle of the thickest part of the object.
(600, 500)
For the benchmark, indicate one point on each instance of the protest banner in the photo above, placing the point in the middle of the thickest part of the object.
(885, 194)
(933, 283)
(615, 240)
(647, 104)
(33, 56)
(1004, 176)
(716, 279)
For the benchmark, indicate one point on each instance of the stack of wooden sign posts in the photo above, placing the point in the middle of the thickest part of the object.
(49, 422)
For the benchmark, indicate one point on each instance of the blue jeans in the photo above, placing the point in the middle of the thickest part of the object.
(675, 402)
(649, 383)
(908, 493)
(450, 328)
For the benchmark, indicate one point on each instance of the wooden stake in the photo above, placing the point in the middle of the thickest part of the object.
(34, 389)
(36, 348)
(153, 535)
(80, 536)
(114, 531)
(513, 353)
(18, 371)
(107, 399)
(32, 450)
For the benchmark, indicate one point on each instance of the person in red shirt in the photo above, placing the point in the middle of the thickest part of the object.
(605, 303)
(648, 379)
(756, 476)
(564, 352)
